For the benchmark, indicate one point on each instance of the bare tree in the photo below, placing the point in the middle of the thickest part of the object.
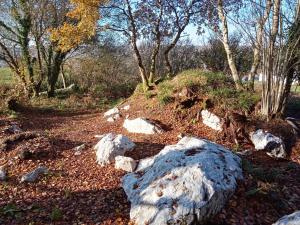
(280, 59)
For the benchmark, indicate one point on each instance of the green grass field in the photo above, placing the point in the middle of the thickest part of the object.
(6, 76)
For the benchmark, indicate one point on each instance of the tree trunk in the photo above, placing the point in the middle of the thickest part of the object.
(258, 44)
(170, 47)
(229, 54)
(63, 76)
(155, 51)
(153, 63)
(138, 56)
(270, 68)
(53, 73)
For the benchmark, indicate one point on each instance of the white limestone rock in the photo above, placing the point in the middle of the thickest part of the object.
(112, 112)
(142, 126)
(99, 136)
(34, 175)
(78, 150)
(292, 219)
(186, 183)
(110, 119)
(126, 107)
(273, 145)
(125, 163)
(3, 173)
(211, 120)
(114, 118)
(110, 146)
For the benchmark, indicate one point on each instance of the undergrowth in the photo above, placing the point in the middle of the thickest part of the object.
(216, 86)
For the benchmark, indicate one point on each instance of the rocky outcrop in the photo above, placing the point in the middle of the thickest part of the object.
(34, 175)
(110, 146)
(273, 145)
(185, 183)
(211, 120)
(142, 126)
(292, 219)
(125, 163)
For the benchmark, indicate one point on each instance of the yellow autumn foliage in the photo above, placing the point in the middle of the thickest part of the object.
(84, 16)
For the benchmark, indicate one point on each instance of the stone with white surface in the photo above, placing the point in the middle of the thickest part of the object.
(186, 183)
(112, 112)
(126, 107)
(3, 173)
(142, 126)
(34, 175)
(110, 146)
(292, 219)
(125, 163)
(266, 141)
(211, 120)
(78, 150)
(114, 118)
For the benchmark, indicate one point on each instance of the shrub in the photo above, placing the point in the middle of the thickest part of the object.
(56, 214)
(11, 210)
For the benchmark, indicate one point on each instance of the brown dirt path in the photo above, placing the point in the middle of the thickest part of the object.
(85, 193)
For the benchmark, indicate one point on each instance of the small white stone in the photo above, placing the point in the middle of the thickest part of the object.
(263, 140)
(211, 120)
(78, 150)
(110, 146)
(111, 112)
(141, 126)
(34, 175)
(125, 163)
(3, 173)
(110, 119)
(126, 107)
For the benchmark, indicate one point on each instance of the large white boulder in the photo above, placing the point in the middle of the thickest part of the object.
(292, 219)
(34, 175)
(125, 163)
(142, 126)
(112, 112)
(211, 120)
(273, 145)
(185, 183)
(110, 146)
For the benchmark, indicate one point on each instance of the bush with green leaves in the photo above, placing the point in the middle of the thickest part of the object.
(56, 214)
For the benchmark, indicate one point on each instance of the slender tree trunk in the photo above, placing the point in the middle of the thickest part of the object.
(156, 48)
(138, 56)
(258, 44)
(229, 54)
(168, 64)
(63, 76)
(153, 63)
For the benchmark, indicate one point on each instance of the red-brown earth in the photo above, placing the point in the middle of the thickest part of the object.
(78, 191)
